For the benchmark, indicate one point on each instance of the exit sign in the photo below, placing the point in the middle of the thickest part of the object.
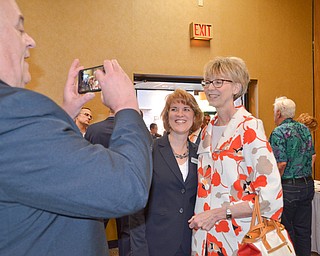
(200, 31)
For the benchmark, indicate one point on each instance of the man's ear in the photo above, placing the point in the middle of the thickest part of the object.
(278, 113)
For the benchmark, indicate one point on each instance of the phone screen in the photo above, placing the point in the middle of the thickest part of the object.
(87, 81)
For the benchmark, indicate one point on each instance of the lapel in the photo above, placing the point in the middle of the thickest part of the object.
(167, 154)
(192, 162)
(229, 132)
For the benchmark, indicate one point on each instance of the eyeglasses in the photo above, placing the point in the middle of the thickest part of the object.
(88, 115)
(217, 83)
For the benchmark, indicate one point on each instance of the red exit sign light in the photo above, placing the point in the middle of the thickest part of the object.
(200, 31)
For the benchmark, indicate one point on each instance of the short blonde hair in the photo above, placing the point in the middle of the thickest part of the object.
(309, 121)
(232, 67)
(182, 96)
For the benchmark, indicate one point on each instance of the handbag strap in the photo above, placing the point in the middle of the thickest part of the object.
(262, 223)
(256, 214)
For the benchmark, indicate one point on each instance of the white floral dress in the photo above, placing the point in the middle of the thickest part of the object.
(240, 165)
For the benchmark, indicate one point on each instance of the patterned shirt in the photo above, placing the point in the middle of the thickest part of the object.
(291, 142)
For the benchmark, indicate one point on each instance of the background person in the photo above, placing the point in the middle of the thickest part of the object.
(91, 82)
(174, 183)
(196, 135)
(235, 162)
(206, 120)
(154, 131)
(312, 123)
(292, 145)
(309, 121)
(56, 187)
(83, 119)
(100, 132)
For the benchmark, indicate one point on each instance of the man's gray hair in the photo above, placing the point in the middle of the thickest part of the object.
(286, 106)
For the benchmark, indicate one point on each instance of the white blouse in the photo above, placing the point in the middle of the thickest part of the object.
(184, 170)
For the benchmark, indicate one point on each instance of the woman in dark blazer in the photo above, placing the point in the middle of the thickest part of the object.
(174, 183)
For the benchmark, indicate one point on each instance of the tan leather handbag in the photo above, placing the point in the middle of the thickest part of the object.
(265, 237)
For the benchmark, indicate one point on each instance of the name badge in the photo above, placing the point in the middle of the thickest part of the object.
(194, 160)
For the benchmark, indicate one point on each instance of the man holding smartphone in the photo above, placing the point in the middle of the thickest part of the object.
(55, 187)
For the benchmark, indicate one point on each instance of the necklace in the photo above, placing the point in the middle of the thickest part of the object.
(182, 156)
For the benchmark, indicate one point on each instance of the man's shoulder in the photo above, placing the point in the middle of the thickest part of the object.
(278, 132)
(283, 127)
(162, 141)
(104, 123)
(24, 98)
(16, 93)
(104, 126)
(296, 127)
(95, 126)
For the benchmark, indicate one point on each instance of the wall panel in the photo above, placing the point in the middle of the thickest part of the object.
(316, 73)
(273, 37)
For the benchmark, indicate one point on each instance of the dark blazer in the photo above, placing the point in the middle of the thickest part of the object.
(55, 186)
(171, 201)
(100, 133)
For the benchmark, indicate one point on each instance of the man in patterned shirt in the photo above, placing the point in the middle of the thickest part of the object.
(292, 145)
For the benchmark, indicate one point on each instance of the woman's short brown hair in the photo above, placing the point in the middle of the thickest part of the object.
(182, 96)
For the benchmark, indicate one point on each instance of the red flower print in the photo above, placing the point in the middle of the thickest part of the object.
(226, 144)
(236, 145)
(237, 229)
(204, 181)
(246, 120)
(269, 146)
(222, 226)
(242, 188)
(216, 179)
(221, 153)
(206, 207)
(231, 149)
(261, 181)
(203, 247)
(215, 247)
(279, 194)
(277, 214)
(249, 136)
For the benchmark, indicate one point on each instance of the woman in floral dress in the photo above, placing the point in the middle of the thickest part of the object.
(235, 162)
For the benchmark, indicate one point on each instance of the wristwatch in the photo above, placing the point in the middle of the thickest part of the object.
(228, 214)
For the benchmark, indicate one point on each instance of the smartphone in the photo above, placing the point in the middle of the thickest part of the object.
(87, 81)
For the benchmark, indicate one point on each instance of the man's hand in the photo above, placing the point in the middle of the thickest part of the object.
(282, 167)
(72, 100)
(117, 88)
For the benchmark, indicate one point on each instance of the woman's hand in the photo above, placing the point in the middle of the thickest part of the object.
(206, 220)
